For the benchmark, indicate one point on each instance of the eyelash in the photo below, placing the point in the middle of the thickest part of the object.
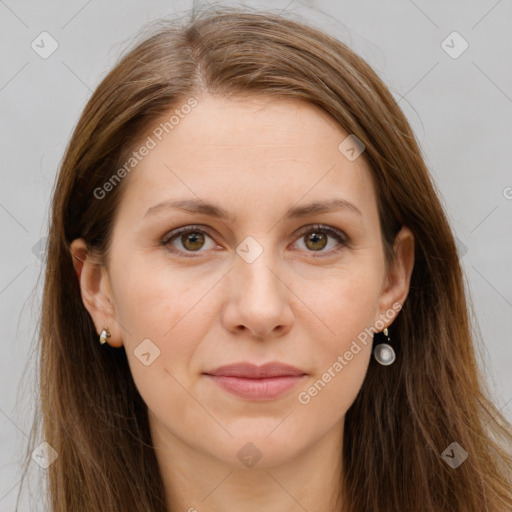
(338, 235)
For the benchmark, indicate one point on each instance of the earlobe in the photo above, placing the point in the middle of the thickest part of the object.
(94, 288)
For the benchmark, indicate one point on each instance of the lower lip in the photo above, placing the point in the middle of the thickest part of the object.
(257, 389)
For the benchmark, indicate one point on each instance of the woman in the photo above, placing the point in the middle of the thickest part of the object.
(253, 299)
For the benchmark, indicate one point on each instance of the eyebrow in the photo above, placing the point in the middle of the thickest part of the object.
(200, 206)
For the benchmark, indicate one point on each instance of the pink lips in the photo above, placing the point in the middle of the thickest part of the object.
(253, 382)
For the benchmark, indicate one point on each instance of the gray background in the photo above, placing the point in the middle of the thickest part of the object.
(460, 109)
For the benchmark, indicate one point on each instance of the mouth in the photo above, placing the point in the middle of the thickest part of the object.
(252, 382)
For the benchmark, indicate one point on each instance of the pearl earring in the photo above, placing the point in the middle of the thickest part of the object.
(104, 335)
(384, 353)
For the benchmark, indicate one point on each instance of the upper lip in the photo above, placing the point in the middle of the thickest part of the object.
(252, 371)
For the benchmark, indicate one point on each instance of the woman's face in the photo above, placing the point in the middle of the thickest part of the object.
(258, 277)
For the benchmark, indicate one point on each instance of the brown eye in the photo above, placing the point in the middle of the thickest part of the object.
(316, 240)
(192, 241)
(189, 239)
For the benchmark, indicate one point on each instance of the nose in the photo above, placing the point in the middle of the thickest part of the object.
(259, 298)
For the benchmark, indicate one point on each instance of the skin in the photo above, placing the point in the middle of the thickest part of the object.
(256, 158)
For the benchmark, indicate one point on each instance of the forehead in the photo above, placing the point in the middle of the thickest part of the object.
(257, 150)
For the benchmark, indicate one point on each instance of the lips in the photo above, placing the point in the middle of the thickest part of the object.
(253, 382)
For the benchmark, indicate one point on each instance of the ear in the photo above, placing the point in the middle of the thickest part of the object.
(397, 280)
(96, 291)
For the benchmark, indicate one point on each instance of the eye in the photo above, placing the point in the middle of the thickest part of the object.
(316, 238)
(192, 239)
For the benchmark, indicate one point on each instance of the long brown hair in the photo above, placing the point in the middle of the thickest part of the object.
(405, 415)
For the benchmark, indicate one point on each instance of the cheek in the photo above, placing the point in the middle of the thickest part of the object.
(152, 301)
(331, 392)
(341, 360)
(347, 310)
(166, 319)
(174, 309)
(154, 305)
(347, 306)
